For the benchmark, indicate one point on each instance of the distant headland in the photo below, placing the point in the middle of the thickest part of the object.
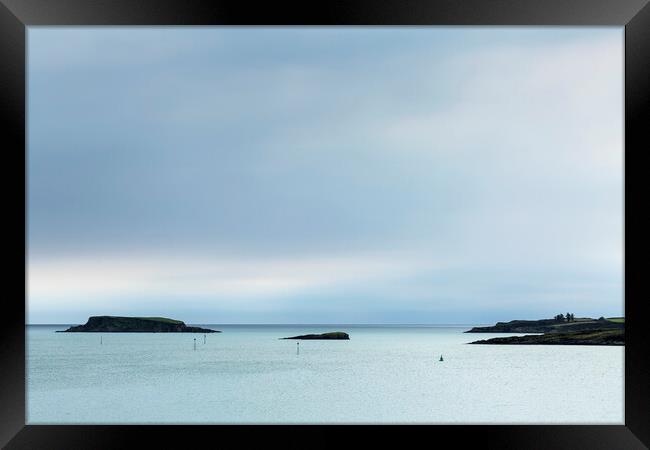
(561, 330)
(116, 324)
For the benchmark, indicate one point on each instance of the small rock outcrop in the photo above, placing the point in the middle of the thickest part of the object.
(116, 324)
(337, 335)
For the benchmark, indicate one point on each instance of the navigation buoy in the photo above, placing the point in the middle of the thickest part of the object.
(441, 358)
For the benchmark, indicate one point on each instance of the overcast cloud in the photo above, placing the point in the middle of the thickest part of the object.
(325, 175)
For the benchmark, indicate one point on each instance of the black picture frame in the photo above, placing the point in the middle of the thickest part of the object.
(16, 15)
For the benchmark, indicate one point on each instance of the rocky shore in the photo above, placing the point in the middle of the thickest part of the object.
(601, 337)
(581, 331)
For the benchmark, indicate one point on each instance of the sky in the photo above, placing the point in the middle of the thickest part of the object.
(420, 175)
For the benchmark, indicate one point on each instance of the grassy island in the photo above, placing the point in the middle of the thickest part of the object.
(336, 335)
(117, 324)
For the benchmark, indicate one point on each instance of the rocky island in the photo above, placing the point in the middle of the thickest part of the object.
(116, 324)
(332, 335)
(558, 331)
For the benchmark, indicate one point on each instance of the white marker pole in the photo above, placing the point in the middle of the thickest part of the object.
(297, 348)
(204, 338)
(194, 343)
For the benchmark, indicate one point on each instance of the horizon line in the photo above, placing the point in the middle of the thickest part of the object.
(284, 324)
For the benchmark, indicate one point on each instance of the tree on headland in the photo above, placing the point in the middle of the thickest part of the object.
(570, 317)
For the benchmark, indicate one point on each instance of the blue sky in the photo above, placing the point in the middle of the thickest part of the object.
(325, 175)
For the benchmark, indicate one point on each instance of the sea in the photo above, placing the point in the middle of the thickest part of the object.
(386, 374)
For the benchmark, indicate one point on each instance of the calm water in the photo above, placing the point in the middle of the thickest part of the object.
(383, 374)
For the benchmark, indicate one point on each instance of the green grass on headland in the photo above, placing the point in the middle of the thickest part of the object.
(616, 319)
(159, 319)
